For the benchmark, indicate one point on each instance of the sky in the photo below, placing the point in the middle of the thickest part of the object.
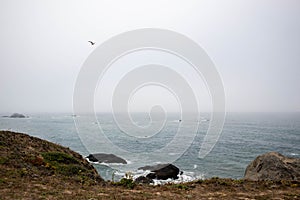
(254, 44)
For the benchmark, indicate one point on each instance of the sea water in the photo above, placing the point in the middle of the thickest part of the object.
(244, 136)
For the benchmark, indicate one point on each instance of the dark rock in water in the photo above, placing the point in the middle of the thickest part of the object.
(152, 176)
(143, 180)
(17, 115)
(162, 171)
(106, 158)
(273, 166)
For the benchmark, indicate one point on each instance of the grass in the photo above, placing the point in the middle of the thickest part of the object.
(181, 186)
(58, 157)
(3, 160)
(62, 163)
(126, 182)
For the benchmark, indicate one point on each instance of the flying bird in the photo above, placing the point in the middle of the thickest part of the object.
(92, 43)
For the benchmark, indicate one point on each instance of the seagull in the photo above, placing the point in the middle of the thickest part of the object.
(92, 43)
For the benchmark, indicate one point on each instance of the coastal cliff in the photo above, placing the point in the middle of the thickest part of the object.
(31, 168)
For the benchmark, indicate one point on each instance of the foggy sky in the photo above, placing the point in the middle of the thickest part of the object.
(255, 46)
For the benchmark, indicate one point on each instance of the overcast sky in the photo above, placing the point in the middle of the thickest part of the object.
(254, 44)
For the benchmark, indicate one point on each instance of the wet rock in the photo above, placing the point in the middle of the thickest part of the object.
(143, 180)
(273, 166)
(162, 171)
(106, 158)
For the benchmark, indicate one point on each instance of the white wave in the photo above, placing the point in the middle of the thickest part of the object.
(185, 177)
(120, 173)
(97, 163)
(181, 179)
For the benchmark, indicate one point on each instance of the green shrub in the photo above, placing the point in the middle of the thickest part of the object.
(181, 186)
(239, 181)
(128, 183)
(63, 163)
(59, 158)
(70, 170)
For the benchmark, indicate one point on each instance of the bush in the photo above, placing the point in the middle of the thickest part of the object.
(62, 163)
(128, 183)
(59, 158)
(70, 170)
(181, 186)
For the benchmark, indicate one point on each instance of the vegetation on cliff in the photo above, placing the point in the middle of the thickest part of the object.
(31, 168)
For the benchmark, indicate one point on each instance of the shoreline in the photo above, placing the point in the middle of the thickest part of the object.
(26, 173)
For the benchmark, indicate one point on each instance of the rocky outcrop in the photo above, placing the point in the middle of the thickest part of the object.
(162, 171)
(106, 158)
(38, 159)
(17, 115)
(273, 166)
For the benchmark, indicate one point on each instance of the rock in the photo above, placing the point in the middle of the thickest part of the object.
(152, 167)
(106, 158)
(151, 176)
(143, 180)
(162, 171)
(17, 115)
(273, 166)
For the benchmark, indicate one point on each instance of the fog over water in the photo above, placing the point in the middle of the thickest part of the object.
(255, 46)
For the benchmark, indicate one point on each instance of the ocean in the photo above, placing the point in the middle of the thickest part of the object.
(244, 136)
